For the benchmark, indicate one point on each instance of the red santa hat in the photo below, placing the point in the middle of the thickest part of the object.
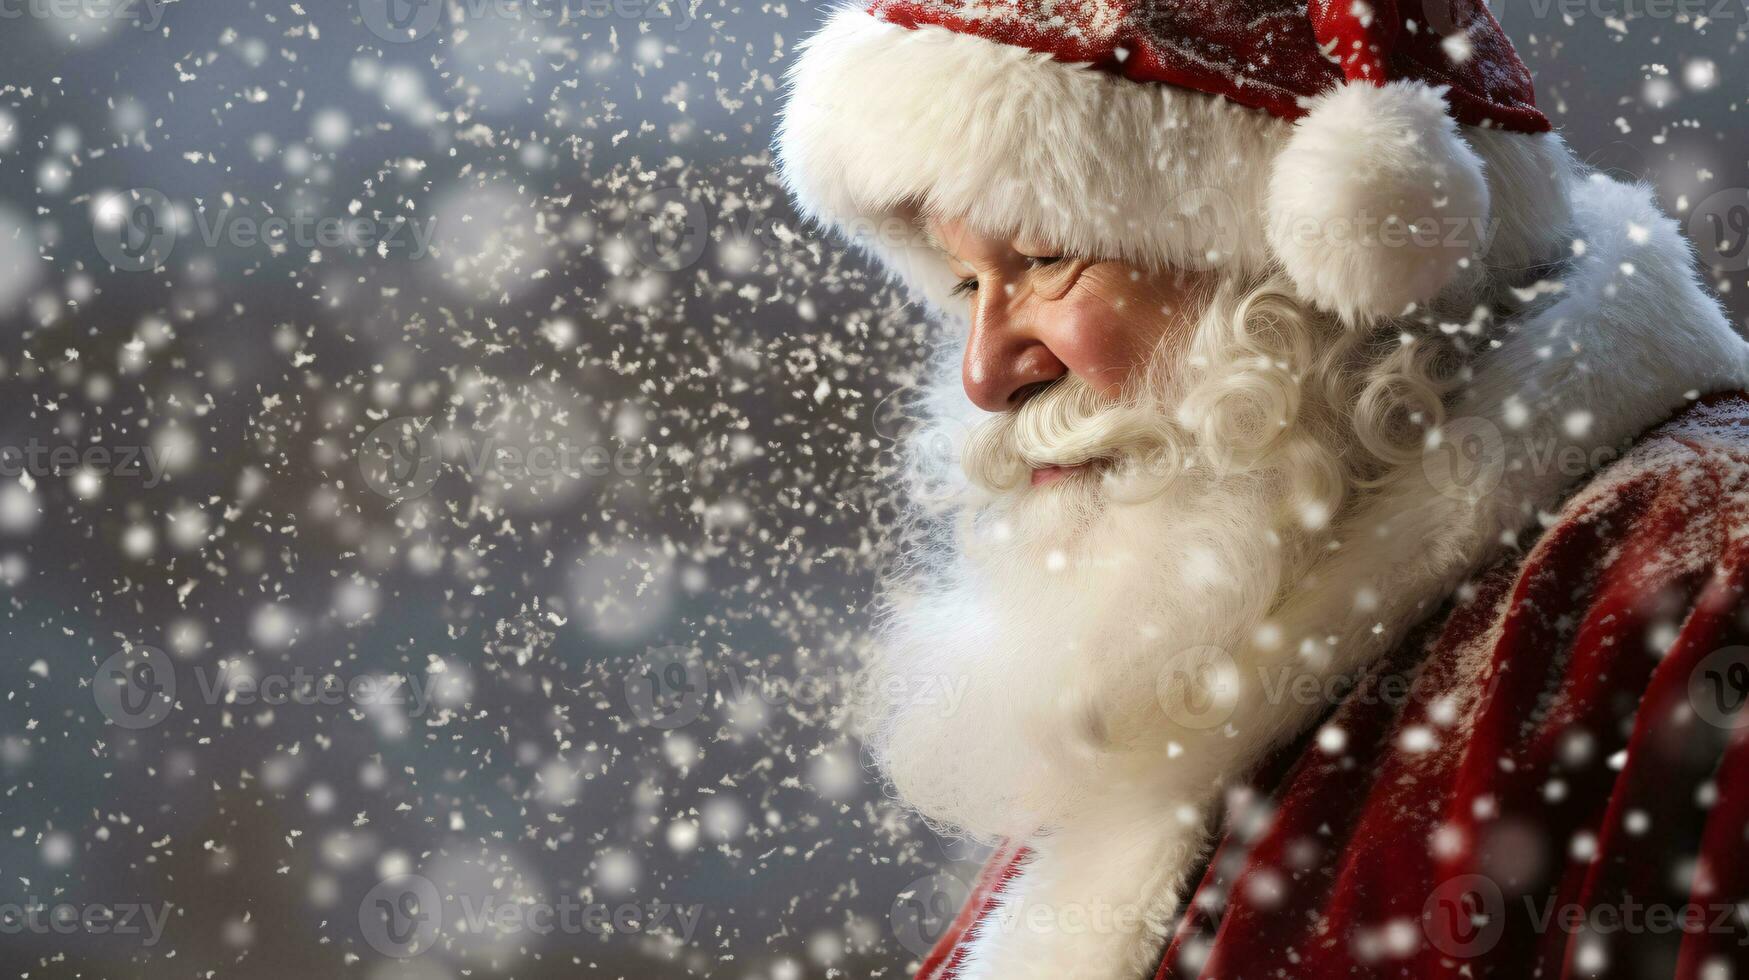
(1322, 136)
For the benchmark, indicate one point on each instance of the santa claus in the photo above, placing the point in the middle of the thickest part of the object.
(1342, 540)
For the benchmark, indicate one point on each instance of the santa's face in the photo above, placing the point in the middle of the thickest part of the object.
(1151, 460)
(1038, 317)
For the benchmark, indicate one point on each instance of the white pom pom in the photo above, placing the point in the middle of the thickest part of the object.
(1376, 202)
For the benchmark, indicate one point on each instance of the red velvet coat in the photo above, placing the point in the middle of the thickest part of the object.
(1590, 816)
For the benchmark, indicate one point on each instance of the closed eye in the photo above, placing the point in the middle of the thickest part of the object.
(970, 285)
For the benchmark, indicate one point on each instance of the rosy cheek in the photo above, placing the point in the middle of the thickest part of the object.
(1095, 342)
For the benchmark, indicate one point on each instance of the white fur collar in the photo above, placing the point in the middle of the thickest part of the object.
(1623, 340)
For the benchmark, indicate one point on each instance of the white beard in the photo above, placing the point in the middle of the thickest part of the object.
(1095, 631)
(1085, 633)
(1060, 625)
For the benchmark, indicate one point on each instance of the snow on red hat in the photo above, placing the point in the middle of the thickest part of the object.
(1323, 136)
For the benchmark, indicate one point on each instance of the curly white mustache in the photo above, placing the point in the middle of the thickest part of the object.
(1067, 424)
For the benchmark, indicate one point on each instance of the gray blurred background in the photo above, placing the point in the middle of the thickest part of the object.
(475, 347)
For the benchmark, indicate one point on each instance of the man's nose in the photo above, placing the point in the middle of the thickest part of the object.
(1005, 359)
